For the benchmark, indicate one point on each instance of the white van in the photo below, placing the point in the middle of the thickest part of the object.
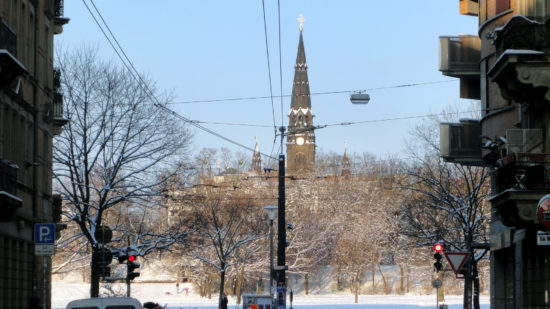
(105, 303)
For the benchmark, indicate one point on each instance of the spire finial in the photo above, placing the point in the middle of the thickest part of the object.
(301, 20)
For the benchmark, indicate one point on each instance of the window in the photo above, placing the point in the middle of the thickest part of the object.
(502, 5)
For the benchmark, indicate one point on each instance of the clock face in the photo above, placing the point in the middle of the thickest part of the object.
(300, 141)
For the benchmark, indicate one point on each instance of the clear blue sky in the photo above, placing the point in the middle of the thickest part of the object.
(205, 50)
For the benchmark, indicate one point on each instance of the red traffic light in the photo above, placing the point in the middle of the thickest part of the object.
(131, 258)
(438, 248)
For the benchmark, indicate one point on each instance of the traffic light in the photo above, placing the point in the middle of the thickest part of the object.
(102, 257)
(132, 265)
(122, 258)
(438, 248)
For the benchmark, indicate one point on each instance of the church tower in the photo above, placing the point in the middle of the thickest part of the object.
(300, 145)
(256, 165)
(346, 165)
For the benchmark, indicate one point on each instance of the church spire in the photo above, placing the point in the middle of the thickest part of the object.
(256, 159)
(346, 166)
(300, 89)
(301, 137)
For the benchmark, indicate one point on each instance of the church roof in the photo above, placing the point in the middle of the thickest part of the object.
(300, 89)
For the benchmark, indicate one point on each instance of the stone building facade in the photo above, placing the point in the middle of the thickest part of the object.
(507, 67)
(30, 115)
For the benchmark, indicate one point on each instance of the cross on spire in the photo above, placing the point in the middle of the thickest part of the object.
(301, 20)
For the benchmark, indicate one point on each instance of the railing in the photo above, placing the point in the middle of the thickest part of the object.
(459, 55)
(8, 177)
(59, 8)
(8, 38)
(538, 10)
(57, 106)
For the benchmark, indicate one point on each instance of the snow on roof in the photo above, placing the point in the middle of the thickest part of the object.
(303, 110)
(11, 196)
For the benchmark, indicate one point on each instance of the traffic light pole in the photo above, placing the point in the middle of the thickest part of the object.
(128, 291)
(281, 240)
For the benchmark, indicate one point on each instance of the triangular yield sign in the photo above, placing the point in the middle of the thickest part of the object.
(456, 259)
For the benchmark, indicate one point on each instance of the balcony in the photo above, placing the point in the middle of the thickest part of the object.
(59, 19)
(461, 142)
(522, 179)
(8, 189)
(8, 38)
(459, 56)
(521, 70)
(55, 115)
(10, 67)
(468, 7)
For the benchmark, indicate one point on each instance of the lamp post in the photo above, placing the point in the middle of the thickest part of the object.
(271, 212)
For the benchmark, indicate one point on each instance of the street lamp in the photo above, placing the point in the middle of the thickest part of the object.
(271, 212)
(360, 98)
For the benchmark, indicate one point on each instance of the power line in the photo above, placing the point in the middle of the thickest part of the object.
(135, 74)
(280, 66)
(314, 93)
(394, 119)
(348, 122)
(269, 68)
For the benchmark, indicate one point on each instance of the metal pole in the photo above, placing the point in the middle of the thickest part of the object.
(271, 263)
(45, 281)
(436, 298)
(127, 272)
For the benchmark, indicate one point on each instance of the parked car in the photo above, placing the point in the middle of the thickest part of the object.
(105, 303)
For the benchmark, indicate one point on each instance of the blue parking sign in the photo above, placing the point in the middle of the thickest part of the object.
(44, 233)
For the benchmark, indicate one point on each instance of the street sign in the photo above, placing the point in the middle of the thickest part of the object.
(543, 239)
(456, 260)
(44, 233)
(44, 239)
(437, 283)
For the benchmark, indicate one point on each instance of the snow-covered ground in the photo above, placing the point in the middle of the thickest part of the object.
(165, 294)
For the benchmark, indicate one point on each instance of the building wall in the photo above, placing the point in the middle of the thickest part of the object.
(520, 276)
(27, 127)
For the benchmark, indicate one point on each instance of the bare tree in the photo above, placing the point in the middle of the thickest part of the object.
(113, 147)
(449, 203)
(226, 222)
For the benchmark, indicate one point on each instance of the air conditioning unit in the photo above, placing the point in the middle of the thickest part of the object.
(461, 142)
(524, 140)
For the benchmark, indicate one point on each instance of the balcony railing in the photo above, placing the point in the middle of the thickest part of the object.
(8, 177)
(58, 8)
(8, 38)
(57, 106)
(459, 56)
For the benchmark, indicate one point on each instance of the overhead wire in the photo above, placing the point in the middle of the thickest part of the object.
(348, 122)
(269, 68)
(280, 67)
(135, 74)
(270, 81)
(316, 93)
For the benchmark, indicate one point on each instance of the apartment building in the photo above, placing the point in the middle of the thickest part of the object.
(31, 113)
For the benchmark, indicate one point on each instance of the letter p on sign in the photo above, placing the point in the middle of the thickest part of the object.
(44, 233)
